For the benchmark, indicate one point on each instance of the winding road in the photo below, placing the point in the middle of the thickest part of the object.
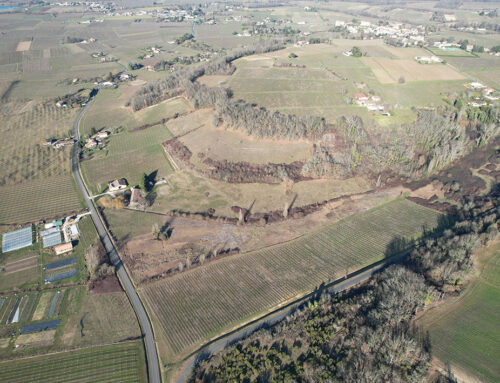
(151, 354)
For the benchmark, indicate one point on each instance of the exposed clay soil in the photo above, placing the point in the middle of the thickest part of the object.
(109, 284)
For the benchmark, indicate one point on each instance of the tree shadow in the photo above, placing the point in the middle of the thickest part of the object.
(151, 198)
(293, 201)
(150, 180)
(167, 227)
(400, 245)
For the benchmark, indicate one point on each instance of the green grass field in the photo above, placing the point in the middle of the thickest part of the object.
(192, 306)
(465, 332)
(116, 363)
(129, 155)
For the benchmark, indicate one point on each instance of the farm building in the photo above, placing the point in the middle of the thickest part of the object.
(91, 143)
(361, 97)
(428, 59)
(118, 184)
(103, 134)
(52, 239)
(49, 231)
(477, 85)
(63, 248)
(17, 239)
(53, 224)
(73, 230)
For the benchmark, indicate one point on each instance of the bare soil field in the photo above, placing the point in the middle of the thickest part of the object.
(188, 192)
(222, 144)
(23, 46)
(20, 265)
(389, 71)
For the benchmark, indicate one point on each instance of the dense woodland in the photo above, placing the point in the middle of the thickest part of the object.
(434, 140)
(365, 335)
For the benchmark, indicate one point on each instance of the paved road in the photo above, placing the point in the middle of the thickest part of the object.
(335, 287)
(152, 356)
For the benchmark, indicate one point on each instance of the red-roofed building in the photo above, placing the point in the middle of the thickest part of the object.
(361, 97)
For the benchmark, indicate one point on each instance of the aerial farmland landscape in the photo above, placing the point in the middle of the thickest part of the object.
(249, 191)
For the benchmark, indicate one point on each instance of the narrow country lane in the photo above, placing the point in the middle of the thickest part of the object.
(151, 354)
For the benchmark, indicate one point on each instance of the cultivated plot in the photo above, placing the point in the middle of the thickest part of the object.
(195, 305)
(42, 199)
(117, 363)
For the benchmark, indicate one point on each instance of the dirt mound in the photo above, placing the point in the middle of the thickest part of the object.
(109, 284)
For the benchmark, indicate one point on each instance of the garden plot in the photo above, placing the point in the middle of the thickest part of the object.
(42, 306)
(61, 263)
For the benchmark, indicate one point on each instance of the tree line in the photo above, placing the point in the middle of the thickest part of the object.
(237, 113)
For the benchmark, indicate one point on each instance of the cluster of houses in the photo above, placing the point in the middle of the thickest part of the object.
(97, 140)
(450, 46)
(487, 94)
(372, 103)
(152, 51)
(407, 36)
(103, 57)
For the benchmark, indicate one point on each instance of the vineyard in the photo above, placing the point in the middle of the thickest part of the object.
(195, 305)
(40, 199)
(24, 128)
(117, 363)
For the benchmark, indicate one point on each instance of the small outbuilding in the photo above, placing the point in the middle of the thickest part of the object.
(63, 248)
(118, 184)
